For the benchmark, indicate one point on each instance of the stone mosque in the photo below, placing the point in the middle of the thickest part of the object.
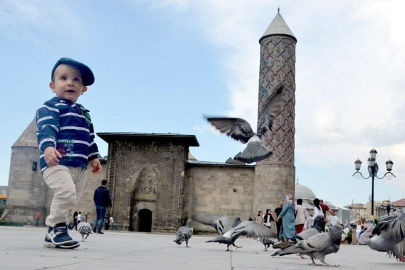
(156, 184)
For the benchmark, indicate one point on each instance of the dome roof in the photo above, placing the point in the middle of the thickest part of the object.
(303, 192)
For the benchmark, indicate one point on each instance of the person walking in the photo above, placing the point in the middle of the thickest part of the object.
(75, 214)
(259, 218)
(279, 221)
(268, 218)
(102, 200)
(37, 216)
(86, 216)
(300, 216)
(79, 217)
(287, 230)
(111, 223)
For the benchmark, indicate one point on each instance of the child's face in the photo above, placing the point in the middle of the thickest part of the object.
(67, 83)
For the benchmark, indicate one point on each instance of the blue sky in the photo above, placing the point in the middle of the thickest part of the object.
(161, 65)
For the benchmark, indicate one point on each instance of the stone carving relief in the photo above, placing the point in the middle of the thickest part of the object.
(144, 180)
(277, 65)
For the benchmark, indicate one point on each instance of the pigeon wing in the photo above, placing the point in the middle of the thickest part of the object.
(395, 223)
(251, 229)
(237, 128)
(220, 223)
(270, 111)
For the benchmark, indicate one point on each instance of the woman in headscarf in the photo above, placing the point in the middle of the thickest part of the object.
(288, 228)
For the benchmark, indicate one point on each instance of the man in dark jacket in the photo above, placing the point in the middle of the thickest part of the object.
(102, 200)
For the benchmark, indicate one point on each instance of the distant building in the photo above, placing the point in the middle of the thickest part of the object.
(3, 195)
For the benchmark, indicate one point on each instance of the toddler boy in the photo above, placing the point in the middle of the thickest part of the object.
(66, 141)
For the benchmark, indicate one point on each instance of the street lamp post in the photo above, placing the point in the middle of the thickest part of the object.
(373, 169)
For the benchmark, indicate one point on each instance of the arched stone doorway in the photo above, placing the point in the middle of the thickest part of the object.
(144, 220)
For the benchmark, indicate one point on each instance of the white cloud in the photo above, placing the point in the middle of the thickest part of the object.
(349, 71)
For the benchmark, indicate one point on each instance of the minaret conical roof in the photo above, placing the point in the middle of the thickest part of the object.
(278, 27)
(28, 137)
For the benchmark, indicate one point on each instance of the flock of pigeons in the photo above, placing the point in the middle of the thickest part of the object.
(388, 236)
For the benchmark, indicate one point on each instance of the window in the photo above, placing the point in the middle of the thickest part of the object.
(4, 202)
(34, 166)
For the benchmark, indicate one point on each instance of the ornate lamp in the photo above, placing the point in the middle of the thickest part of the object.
(389, 164)
(373, 153)
(357, 164)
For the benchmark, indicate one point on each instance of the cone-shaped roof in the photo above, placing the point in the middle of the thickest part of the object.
(278, 27)
(28, 137)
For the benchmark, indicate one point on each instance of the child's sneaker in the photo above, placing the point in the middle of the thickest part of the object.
(59, 236)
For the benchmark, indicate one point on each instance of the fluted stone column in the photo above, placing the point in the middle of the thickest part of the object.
(274, 177)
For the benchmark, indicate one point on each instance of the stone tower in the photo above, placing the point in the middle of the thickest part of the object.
(27, 190)
(274, 177)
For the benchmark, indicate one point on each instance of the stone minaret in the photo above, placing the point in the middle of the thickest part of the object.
(274, 177)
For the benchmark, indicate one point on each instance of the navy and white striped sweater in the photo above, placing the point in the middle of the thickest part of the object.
(67, 127)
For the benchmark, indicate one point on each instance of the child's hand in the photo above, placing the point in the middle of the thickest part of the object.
(52, 156)
(95, 164)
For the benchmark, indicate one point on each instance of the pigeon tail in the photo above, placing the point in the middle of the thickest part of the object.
(255, 151)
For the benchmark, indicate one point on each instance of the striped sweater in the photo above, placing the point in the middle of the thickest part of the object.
(66, 126)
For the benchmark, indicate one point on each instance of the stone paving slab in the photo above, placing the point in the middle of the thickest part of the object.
(22, 248)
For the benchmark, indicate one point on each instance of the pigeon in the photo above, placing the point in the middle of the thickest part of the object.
(84, 229)
(220, 223)
(184, 233)
(319, 224)
(345, 234)
(248, 228)
(389, 236)
(317, 246)
(240, 130)
(267, 242)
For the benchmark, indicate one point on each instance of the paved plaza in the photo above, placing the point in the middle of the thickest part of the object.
(21, 248)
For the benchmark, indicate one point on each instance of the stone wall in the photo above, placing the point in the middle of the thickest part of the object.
(221, 190)
(27, 190)
(86, 203)
(271, 183)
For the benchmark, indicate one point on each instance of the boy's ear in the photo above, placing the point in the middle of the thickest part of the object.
(52, 86)
(84, 89)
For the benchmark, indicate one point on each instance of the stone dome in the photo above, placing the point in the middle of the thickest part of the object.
(303, 192)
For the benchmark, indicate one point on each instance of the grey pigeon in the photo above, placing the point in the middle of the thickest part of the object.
(319, 224)
(84, 229)
(389, 236)
(267, 242)
(317, 246)
(221, 224)
(184, 233)
(249, 228)
(240, 130)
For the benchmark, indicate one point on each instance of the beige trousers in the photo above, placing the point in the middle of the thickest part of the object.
(67, 183)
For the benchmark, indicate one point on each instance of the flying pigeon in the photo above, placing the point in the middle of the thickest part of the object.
(317, 246)
(240, 130)
(249, 228)
(220, 223)
(319, 224)
(389, 236)
(84, 229)
(184, 233)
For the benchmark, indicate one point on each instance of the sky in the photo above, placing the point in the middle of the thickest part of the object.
(160, 65)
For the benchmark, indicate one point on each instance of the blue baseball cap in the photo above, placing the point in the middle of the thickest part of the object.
(87, 74)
